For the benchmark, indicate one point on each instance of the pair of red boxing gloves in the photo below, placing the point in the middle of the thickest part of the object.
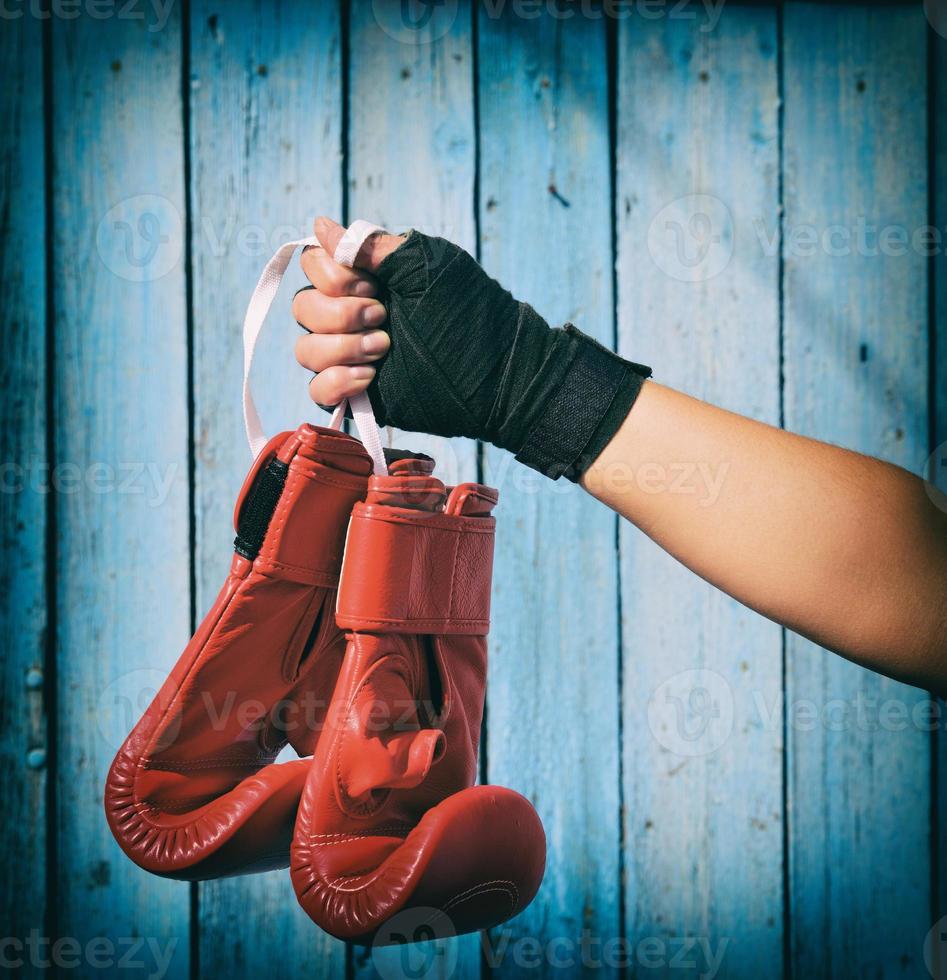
(352, 626)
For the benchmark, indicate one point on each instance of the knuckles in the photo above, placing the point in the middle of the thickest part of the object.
(302, 305)
(329, 387)
(327, 275)
(320, 313)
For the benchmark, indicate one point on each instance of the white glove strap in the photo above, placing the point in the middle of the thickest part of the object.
(260, 302)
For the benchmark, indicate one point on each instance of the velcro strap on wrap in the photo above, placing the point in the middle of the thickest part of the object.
(410, 571)
(592, 382)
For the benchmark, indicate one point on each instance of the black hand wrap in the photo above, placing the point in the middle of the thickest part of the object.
(467, 359)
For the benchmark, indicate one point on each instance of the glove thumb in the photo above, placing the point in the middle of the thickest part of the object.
(385, 747)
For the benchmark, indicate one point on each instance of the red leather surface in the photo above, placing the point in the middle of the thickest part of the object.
(411, 571)
(194, 791)
(390, 818)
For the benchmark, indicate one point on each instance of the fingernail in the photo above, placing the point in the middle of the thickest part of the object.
(375, 342)
(374, 315)
(362, 373)
(363, 288)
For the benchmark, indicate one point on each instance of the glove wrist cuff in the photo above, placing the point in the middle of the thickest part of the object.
(577, 422)
(413, 571)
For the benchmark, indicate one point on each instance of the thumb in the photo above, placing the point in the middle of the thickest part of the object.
(370, 255)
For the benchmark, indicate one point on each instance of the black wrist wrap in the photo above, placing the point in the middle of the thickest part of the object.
(467, 359)
(584, 410)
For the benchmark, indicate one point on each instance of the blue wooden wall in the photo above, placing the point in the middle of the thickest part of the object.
(698, 186)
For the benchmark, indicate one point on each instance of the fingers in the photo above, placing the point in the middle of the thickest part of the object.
(333, 279)
(370, 256)
(341, 315)
(318, 352)
(336, 383)
(322, 314)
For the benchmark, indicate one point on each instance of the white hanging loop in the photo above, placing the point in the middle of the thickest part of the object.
(260, 302)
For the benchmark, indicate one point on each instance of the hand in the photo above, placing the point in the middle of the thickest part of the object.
(461, 356)
(342, 315)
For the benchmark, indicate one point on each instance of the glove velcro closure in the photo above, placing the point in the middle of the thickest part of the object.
(408, 571)
(584, 409)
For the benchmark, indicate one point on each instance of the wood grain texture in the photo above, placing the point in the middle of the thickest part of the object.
(411, 147)
(121, 448)
(23, 505)
(411, 164)
(553, 709)
(698, 168)
(265, 99)
(939, 435)
(856, 374)
(586, 711)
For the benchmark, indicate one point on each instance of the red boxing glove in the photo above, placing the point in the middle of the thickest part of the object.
(194, 792)
(390, 819)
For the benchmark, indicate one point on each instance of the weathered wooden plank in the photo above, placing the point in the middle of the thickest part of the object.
(411, 164)
(856, 374)
(553, 709)
(697, 211)
(265, 98)
(23, 504)
(121, 423)
(411, 145)
(937, 472)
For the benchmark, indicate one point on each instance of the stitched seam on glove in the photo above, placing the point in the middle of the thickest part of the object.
(505, 887)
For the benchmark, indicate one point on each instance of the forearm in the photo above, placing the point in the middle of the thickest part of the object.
(842, 548)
